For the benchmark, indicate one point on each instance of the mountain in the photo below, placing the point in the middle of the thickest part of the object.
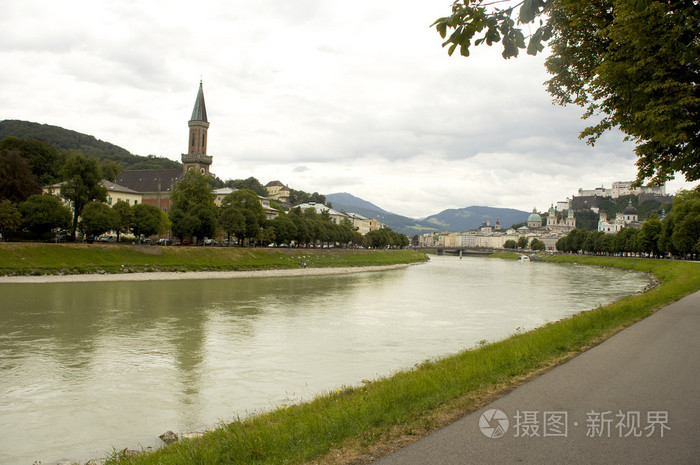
(462, 219)
(71, 140)
(401, 224)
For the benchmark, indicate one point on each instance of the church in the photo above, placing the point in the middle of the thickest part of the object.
(155, 185)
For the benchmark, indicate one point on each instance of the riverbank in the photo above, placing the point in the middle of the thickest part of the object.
(357, 424)
(116, 261)
(193, 275)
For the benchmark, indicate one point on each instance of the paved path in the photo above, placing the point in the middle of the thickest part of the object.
(652, 368)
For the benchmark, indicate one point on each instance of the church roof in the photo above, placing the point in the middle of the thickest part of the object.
(199, 112)
(162, 180)
(630, 210)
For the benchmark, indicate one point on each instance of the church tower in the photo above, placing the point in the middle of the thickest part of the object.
(196, 157)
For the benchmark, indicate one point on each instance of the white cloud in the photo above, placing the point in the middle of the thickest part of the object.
(324, 97)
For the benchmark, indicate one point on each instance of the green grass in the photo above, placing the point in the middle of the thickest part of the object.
(38, 259)
(412, 402)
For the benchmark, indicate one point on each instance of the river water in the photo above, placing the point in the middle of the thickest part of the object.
(87, 367)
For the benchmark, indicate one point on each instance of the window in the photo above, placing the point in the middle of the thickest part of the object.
(135, 202)
(204, 138)
(109, 200)
(192, 144)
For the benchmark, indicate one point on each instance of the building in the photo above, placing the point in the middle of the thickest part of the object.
(564, 225)
(534, 220)
(278, 191)
(359, 222)
(115, 193)
(622, 188)
(629, 218)
(156, 185)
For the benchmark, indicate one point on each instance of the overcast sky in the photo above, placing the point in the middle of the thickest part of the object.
(355, 97)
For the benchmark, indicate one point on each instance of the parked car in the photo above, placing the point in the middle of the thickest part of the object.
(209, 242)
(164, 241)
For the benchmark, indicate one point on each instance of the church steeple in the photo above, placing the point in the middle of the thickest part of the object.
(196, 157)
(199, 113)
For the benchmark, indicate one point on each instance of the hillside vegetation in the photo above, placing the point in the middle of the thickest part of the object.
(65, 139)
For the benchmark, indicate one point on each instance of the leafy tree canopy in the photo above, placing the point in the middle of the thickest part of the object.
(194, 211)
(44, 159)
(10, 217)
(41, 213)
(251, 183)
(97, 218)
(82, 177)
(633, 65)
(124, 219)
(147, 220)
(17, 182)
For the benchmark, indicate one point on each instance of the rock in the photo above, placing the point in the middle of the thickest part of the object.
(168, 437)
(193, 435)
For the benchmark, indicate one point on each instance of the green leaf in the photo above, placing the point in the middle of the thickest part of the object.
(451, 50)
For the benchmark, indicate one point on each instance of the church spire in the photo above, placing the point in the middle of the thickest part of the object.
(196, 157)
(199, 113)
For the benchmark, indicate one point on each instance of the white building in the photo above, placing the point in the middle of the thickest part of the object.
(622, 188)
(628, 218)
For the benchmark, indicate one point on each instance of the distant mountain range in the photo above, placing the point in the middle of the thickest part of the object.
(460, 219)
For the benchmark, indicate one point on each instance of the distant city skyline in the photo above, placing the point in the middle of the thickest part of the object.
(296, 93)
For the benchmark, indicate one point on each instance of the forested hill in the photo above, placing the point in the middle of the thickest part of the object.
(66, 139)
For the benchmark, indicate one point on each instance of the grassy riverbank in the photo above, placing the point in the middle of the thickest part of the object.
(40, 259)
(357, 423)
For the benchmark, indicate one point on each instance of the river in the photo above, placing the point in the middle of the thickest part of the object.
(87, 367)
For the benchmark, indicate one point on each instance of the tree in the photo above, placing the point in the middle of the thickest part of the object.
(510, 244)
(537, 244)
(17, 182)
(686, 220)
(631, 64)
(147, 220)
(194, 212)
(649, 236)
(251, 183)
(232, 221)
(44, 159)
(97, 218)
(245, 212)
(522, 242)
(10, 217)
(110, 169)
(82, 178)
(42, 213)
(124, 219)
(284, 228)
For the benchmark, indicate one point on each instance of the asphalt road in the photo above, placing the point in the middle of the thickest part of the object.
(634, 399)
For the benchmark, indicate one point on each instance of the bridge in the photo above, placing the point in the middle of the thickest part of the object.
(465, 251)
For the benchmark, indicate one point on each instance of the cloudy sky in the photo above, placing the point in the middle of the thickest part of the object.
(324, 96)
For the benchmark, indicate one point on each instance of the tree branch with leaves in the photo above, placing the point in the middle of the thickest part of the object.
(632, 65)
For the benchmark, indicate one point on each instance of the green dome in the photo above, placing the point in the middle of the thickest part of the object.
(534, 216)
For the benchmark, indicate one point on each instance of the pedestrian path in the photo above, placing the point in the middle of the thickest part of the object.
(634, 399)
